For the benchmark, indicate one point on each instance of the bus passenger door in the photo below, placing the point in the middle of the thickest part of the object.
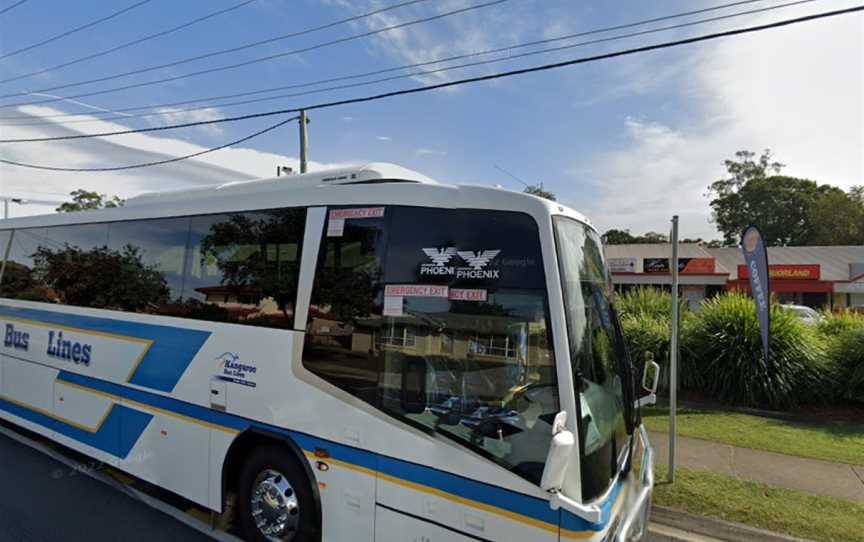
(336, 288)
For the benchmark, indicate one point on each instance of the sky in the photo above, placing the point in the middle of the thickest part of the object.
(628, 141)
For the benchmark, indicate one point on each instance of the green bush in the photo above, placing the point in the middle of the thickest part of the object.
(847, 353)
(645, 334)
(722, 357)
(646, 324)
(647, 301)
(836, 323)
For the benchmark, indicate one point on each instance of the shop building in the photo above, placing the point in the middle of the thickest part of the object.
(813, 276)
(699, 274)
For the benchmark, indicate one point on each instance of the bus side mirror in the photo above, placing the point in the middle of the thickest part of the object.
(650, 375)
(558, 457)
(413, 397)
(650, 379)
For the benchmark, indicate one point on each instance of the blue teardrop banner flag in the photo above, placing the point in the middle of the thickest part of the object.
(756, 260)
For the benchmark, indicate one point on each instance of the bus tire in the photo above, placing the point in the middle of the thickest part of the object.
(274, 498)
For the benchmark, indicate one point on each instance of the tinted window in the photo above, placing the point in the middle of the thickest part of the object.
(18, 278)
(243, 267)
(157, 250)
(238, 267)
(347, 293)
(77, 267)
(596, 354)
(447, 330)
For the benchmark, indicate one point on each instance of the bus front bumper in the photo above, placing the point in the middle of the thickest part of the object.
(634, 525)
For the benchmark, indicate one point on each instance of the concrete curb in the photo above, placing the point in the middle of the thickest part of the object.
(716, 529)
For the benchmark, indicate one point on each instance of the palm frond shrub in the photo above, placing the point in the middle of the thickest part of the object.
(722, 353)
(647, 301)
(847, 353)
(645, 335)
(646, 321)
(836, 323)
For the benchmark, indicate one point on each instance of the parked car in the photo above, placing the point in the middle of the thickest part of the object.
(806, 314)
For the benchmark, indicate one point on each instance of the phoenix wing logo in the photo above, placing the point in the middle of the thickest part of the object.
(440, 256)
(480, 259)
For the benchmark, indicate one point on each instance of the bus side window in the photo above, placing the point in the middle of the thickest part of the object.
(61, 264)
(244, 267)
(19, 281)
(346, 296)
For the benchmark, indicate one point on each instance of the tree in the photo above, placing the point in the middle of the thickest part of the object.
(787, 210)
(624, 237)
(538, 190)
(618, 237)
(727, 200)
(836, 218)
(84, 200)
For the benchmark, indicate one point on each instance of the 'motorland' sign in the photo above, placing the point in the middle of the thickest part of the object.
(787, 271)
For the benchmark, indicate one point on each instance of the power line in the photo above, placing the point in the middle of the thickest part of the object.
(511, 57)
(158, 162)
(128, 43)
(237, 64)
(426, 63)
(13, 6)
(74, 30)
(501, 169)
(499, 75)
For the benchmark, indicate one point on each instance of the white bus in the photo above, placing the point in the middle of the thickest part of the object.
(355, 354)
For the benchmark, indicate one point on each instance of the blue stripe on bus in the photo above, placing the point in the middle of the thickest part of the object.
(165, 362)
(499, 497)
(116, 436)
(508, 500)
(158, 401)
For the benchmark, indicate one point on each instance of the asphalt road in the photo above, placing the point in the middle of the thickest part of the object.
(42, 500)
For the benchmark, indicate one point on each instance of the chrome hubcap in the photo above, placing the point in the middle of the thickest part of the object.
(274, 506)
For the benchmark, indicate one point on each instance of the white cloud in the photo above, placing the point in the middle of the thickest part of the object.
(467, 32)
(178, 116)
(230, 164)
(796, 90)
(429, 152)
(384, 138)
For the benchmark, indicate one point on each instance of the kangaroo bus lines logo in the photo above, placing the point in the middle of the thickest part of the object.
(443, 260)
(231, 369)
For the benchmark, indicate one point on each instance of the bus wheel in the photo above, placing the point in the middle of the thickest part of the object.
(274, 500)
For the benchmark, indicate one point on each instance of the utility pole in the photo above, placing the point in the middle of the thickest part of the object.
(673, 353)
(304, 142)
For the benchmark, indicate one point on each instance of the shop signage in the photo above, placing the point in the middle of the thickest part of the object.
(621, 265)
(787, 272)
(686, 266)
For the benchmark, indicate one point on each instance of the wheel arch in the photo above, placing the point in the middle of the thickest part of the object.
(253, 438)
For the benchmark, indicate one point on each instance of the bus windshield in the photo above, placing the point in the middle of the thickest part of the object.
(449, 303)
(596, 355)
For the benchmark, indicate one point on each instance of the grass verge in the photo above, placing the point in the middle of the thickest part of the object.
(841, 443)
(768, 507)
